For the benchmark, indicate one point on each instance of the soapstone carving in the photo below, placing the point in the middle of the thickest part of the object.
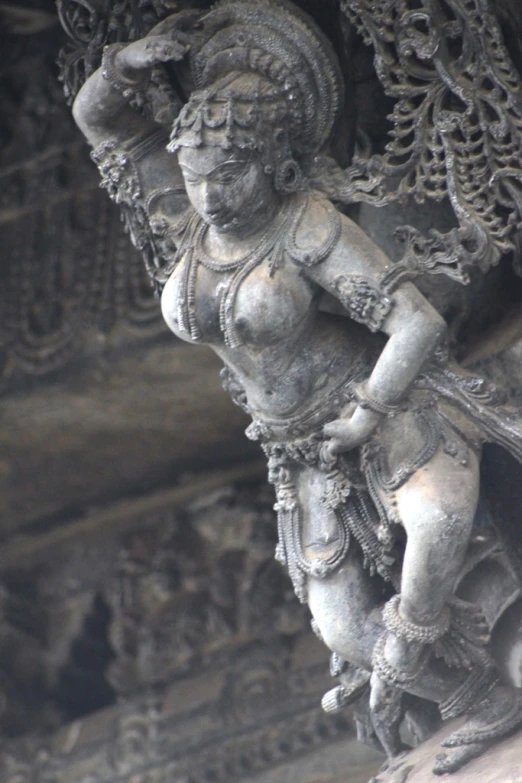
(215, 133)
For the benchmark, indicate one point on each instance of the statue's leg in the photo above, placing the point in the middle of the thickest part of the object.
(346, 614)
(347, 610)
(344, 609)
(437, 507)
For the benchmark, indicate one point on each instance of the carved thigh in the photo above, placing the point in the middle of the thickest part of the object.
(437, 506)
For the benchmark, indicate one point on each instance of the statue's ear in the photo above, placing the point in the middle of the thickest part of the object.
(288, 176)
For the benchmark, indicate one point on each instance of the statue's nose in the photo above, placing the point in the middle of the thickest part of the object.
(210, 197)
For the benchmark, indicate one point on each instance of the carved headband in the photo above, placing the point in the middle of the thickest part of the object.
(279, 44)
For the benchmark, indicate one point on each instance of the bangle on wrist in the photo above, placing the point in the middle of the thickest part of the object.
(368, 402)
(127, 86)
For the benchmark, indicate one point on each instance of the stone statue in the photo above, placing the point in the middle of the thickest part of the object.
(373, 434)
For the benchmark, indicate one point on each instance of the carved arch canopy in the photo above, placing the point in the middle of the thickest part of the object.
(456, 123)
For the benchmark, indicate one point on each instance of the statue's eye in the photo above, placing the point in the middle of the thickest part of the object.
(230, 176)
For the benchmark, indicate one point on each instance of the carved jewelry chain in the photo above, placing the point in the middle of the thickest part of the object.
(241, 268)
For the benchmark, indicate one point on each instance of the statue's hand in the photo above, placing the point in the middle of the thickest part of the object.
(346, 434)
(151, 50)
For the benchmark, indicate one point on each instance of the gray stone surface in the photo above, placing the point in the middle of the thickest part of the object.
(501, 764)
(373, 432)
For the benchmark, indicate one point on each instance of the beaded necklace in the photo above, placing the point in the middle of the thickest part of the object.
(193, 253)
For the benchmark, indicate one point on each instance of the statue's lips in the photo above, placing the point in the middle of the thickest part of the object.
(221, 218)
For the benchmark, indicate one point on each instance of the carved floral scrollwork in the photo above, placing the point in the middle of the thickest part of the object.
(91, 24)
(457, 127)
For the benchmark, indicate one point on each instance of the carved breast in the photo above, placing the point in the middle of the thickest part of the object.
(267, 309)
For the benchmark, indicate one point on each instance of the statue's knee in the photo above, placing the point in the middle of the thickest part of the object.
(341, 605)
(336, 634)
(340, 631)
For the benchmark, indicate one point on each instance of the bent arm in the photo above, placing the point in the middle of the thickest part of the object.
(103, 114)
(353, 273)
(101, 108)
(112, 126)
(415, 329)
(131, 150)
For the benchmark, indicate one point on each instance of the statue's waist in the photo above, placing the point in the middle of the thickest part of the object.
(325, 405)
(335, 401)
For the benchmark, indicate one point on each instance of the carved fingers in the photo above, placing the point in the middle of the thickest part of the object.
(340, 437)
(151, 50)
(346, 434)
(163, 48)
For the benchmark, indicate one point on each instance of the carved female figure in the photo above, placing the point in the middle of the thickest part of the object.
(373, 440)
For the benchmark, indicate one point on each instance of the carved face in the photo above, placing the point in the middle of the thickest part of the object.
(228, 188)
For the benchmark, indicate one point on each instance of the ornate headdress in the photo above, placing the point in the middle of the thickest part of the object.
(262, 72)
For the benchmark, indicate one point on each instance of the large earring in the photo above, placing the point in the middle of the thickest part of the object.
(288, 176)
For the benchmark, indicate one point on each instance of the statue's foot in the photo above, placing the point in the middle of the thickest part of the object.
(387, 713)
(498, 715)
(354, 681)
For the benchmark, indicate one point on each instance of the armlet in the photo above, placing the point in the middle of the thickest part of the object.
(148, 216)
(117, 161)
(364, 299)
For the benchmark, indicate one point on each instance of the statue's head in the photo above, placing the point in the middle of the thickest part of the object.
(234, 148)
(268, 91)
(246, 113)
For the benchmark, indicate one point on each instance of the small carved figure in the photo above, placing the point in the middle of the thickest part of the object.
(373, 436)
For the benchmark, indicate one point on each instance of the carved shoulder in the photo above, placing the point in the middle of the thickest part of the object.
(316, 230)
(346, 263)
(320, 238)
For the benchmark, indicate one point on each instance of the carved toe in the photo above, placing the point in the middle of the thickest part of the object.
(455, 759)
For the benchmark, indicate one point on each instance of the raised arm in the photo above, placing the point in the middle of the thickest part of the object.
(130, 150)
(103, 112)
(355, 272)
(102, 108)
